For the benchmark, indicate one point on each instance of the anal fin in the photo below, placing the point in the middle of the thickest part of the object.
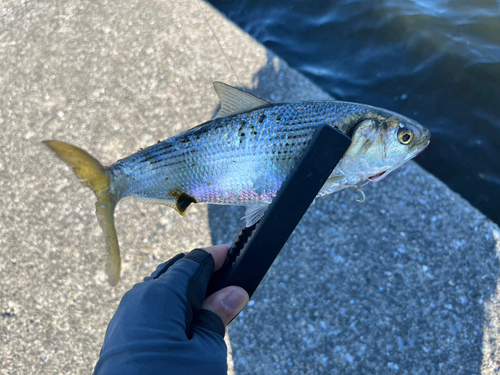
(181, 203)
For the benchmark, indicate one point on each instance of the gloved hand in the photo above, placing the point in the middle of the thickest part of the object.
(164, 325)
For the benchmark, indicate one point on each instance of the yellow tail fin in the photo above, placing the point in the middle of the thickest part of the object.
(92, 174)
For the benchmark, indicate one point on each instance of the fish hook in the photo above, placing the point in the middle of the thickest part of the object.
(362, 194)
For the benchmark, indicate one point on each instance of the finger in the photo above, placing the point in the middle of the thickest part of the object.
(227, 303)
(219, 253)
(177, 292)
(162, 268)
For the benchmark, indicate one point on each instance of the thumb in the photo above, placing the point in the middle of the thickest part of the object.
(227, 302)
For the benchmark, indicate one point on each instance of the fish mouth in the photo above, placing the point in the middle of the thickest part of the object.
(423, 148)
(376, 177)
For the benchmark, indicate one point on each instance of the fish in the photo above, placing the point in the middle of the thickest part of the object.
(242, 156)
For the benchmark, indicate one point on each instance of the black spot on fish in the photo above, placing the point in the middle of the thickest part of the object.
(242, 135)
(154, 161)
(241, 131)
(242, 125)
(261, 119)
(147, 157)
(217, 125)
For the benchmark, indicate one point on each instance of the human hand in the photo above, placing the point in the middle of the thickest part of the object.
(165, 325)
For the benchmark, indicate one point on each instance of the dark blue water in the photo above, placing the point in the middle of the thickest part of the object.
(433, 60)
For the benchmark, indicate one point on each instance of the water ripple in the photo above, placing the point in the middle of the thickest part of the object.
(437, 61)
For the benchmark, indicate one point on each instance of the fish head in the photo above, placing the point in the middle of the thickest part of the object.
(380, 145)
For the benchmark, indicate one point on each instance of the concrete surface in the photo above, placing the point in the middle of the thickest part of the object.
(404, 283)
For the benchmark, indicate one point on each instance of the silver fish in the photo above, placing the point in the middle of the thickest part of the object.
(242, 157)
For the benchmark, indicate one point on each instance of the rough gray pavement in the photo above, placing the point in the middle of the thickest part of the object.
(404, 283)
(398, 284)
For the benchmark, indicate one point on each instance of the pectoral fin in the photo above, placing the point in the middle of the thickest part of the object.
(333, 179)
(254, 211)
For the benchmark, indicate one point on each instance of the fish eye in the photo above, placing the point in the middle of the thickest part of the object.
(405, 136)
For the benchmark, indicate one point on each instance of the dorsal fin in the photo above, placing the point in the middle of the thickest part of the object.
(234, 101)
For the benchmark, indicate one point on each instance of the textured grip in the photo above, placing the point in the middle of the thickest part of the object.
(219, 277)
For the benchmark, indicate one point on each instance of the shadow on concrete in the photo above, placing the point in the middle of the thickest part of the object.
(394, 285)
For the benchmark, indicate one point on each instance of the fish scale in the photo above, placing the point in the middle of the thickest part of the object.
(199, 161)
(243, 156)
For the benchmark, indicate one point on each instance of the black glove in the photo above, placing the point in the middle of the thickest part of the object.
(160, 326)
